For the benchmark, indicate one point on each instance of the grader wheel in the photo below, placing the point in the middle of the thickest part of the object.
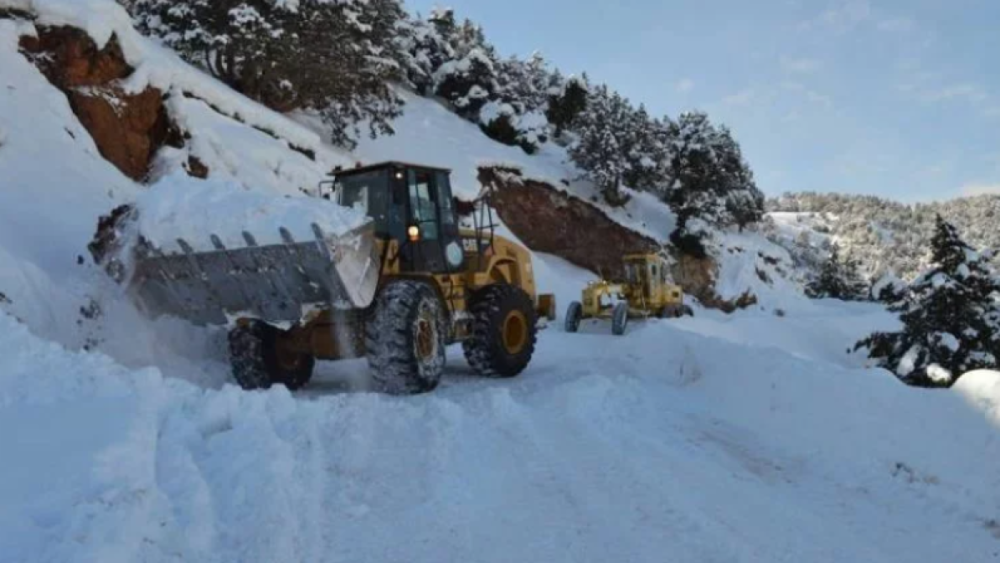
(503, 331)
(573, 315)
(619, 318)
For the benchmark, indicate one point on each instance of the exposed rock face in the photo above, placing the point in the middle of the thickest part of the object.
(552, 221)
(128, 129)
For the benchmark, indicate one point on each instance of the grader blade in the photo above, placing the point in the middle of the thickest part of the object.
(274, 282)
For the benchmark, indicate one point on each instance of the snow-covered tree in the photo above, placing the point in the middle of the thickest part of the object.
(567, 103)
(423, 46)
(333, 57)
(837, 279)
(646, 149)
(708, 179)
(601, 149)
(888, 289)
(950, 315)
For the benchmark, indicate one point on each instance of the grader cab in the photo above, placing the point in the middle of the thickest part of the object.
(396, 291)
(645, 292)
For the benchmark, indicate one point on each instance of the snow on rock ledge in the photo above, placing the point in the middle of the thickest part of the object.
(183, 207)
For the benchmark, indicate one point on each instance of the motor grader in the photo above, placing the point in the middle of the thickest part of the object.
(645, 292)
(397, 291)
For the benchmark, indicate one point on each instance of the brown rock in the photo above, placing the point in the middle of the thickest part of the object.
(128, 129)
(196, 168)
(72, 59)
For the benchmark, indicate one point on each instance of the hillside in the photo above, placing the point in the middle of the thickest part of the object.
(883, 235)
(749, 436)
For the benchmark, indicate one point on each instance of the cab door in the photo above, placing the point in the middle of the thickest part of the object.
(430, 213)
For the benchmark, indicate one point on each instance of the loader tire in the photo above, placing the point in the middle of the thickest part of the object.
(405, 339)
(257, 362)
(573, 315)
(504, 331)
(619, 318)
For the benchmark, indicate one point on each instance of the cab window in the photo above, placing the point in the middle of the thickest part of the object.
(423, 207)
(443, 186)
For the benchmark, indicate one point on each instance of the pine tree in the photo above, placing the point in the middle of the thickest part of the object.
(710, 184)
(332, 57)
(950, 315)
(838, 279)
(602, 144)
(566, 105)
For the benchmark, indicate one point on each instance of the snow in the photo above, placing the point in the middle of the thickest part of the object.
(180, 206)
(747, 437)
(981, 388)
(938, 373)
(949, 341)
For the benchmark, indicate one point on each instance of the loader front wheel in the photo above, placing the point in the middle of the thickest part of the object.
(259, 360)
(405, 339)
(504, 331)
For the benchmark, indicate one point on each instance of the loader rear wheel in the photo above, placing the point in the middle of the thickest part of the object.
(573, 315)
(619, 318)
(405, 339)
(259, 360)
(504, 331)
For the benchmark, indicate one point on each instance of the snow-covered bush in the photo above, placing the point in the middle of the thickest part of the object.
(950, 315)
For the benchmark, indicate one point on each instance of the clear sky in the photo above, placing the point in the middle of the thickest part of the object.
(899, 98)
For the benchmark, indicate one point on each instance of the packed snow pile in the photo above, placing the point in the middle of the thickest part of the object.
(181, 207)
(982, 389)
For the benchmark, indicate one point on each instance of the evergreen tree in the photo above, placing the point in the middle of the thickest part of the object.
(950, 315)
(566, 105)
(602, 144)
(838, 279)
(332, 57)
(710, 184)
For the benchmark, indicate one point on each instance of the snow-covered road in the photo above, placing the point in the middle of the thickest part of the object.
(663, 445)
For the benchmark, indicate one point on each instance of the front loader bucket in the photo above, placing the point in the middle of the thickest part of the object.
(275, 282)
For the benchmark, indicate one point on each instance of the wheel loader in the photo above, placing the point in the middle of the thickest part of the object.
(645, 292)
(396, 291)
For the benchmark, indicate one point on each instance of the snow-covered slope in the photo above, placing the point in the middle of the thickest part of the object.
(750, 437)
(429, 133)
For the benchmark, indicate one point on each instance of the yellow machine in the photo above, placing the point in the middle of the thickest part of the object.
(396, 291)
(645, 292)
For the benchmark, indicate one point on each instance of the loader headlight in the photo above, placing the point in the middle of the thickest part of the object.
(413, 233)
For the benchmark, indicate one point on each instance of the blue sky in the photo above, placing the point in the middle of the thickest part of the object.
(899, 98)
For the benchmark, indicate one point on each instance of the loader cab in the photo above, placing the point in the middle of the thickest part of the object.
(409, 204)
